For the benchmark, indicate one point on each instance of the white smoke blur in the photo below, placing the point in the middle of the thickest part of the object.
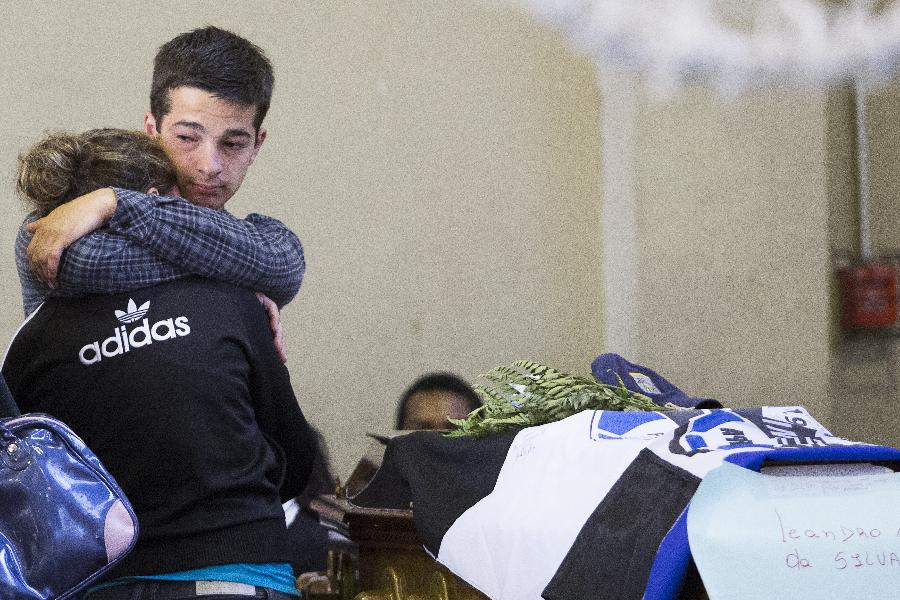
(733, 45)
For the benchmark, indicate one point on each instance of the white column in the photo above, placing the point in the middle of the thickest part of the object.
(619, 244)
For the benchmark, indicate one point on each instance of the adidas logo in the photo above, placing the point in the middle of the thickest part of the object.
(134, 313)
(124, 340)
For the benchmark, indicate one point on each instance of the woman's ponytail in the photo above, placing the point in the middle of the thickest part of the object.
(48, 172)
(64, 166)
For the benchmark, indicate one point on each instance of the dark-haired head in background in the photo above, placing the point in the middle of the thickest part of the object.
(432, 398)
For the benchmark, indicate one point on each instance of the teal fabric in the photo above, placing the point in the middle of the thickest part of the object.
(277, 576)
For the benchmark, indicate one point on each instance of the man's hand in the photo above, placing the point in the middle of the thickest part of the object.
(274, 323)
(65, 224)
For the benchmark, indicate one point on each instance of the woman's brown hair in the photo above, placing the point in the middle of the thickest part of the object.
(64, 166)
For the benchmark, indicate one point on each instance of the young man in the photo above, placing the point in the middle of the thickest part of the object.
(210, 93)
(211, 90)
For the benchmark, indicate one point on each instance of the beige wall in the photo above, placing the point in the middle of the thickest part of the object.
(740, 206)
(440, 162)
(733, 258)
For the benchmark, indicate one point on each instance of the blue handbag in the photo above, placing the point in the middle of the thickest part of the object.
(64, 521)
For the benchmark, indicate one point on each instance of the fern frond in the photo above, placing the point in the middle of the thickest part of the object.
(526, 393)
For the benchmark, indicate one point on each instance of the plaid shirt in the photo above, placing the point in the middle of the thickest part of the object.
(153, 239)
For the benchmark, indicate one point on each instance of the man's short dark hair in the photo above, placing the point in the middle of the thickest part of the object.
(444, 382)
(217, 61)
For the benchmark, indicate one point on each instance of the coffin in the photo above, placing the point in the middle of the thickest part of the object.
(376, 554)
(422, 494)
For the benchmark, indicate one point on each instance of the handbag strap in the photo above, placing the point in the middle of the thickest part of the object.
(8, 406)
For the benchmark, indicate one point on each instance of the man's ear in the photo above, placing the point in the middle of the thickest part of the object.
(150, 125)
(260, 138)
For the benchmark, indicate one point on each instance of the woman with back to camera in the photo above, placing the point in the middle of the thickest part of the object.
(177, 388)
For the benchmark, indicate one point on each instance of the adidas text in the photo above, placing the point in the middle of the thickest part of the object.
(123, 341)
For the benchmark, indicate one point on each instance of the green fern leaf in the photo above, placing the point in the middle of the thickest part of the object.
(526, 393)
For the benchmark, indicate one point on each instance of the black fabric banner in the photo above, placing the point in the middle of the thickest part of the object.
(612, 555)
(442, 477)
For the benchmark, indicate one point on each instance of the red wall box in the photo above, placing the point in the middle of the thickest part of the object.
(868, 295)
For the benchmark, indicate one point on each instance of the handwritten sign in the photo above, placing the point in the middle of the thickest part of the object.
(755, 535)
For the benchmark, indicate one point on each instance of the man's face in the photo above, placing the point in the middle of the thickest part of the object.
(211, 141)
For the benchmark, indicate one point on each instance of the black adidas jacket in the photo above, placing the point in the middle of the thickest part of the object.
(179, 391)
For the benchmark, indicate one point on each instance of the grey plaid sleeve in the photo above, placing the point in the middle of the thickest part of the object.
(100, 263)
(258, 252)
(106, 263)
(153, 239)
